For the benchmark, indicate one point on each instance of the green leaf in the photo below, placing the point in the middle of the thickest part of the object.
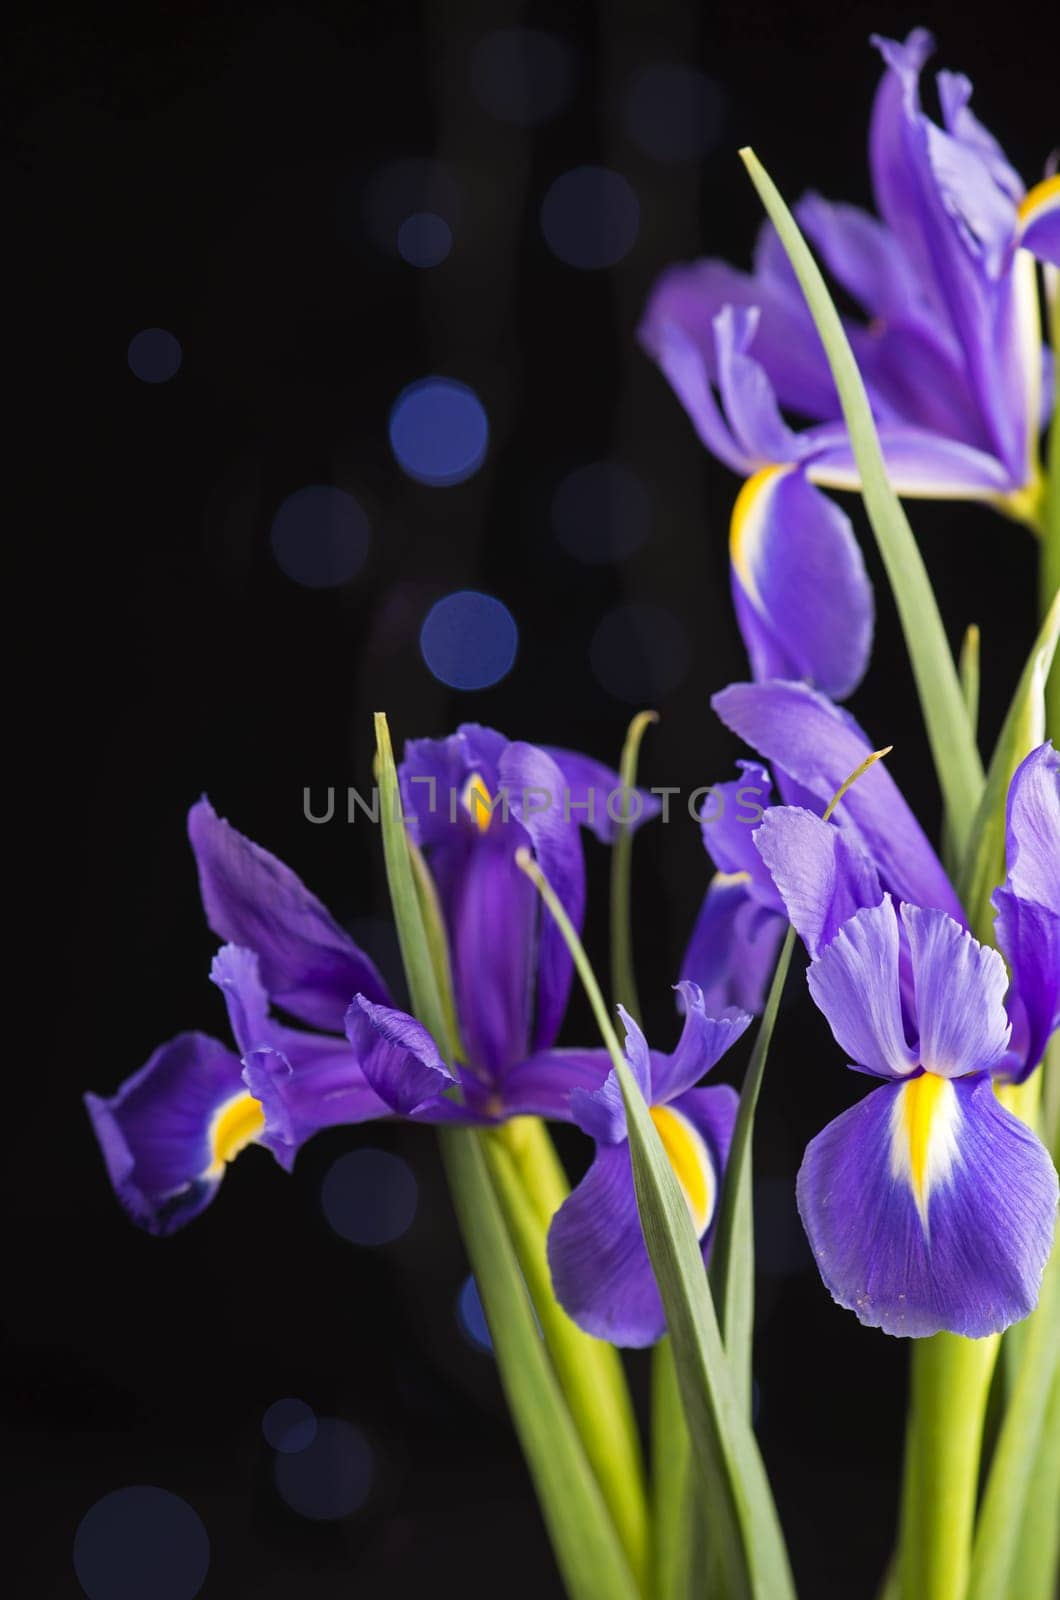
(591, 1560)
(953, 747)
(405, 898)
(623, 979)
(520, 1159)
(1035, 1573)
(732, 1259)
(1001, 1515)
(744, 1528)
(983, 867)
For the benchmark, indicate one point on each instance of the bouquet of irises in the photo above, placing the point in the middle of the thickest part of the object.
(930, 1204)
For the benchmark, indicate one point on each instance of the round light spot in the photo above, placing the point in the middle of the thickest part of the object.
(438, 431)
(673, 113)
(369, 1197)
(141, 1541)
(424, 239)
(155, 355)
(289, 1426)
(471, 1317)
(601, 512)
(639, 653)
(469, 640)
(590, 217)
(522, 75)
(402, 191)
(320, 536)
(330, 1478)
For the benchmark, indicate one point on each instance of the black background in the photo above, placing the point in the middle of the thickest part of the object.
(200, 169)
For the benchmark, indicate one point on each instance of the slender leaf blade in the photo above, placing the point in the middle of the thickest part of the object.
(590, 1558)
(953, 748)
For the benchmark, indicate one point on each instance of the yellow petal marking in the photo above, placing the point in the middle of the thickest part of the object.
(1043, 197)
(690, 1159)
(236, 1124)
(478, 802)
(924, 1136)
(746, 526)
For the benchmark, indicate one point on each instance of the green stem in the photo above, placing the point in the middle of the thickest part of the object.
(675, 1525)
(623, 979)
(530, 1186)
(1036, 1571)
(949, 1388)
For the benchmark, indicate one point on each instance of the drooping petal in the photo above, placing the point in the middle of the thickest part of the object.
(1032, 829)
(819, 746)
(733, 948)
(1039, 220)
(683, 362)
(599, 1262)
(960, 990)
(171, 1128)
(309, 965)
(592, 794)
(855, 982)
(704, 1040)
(928, 1206)
(822, 874)
(1029, 935)
(319, 1084)
(803, 598)
(919, 463)
(542, 1085)
(397, 1056)
(746, 392)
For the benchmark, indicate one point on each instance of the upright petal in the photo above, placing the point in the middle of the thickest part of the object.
(819, 746)
(397, 1056)
(601, 1112)
(923, 1222)
(822, 873)
(309, 965)
(168, 1133)
(729, 815)
(1029, 935)
(746, 392)
(803, 598)
(592, 795)
(704, 1040)
(535, 786)
(960, 990)
(733, 948)
(855, 982)
(434, 774)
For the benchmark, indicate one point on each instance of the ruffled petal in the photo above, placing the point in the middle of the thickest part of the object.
(928, 1206)
(309, 965)
(318, 1084)
(819, 746)
(170, 1129)
(855, 982)
(397, 1056)
(704, 1040)
(959, 986)
(733, 948)
(729, 815)
(823, 876)
(1029, 935)
(1032, 829)
(803, 598)
(601, 1112)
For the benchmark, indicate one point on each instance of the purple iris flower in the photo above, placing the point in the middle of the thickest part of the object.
(928, 1205)
(949, 348)
(812, 746)
(600, 1267)
(170, 1130)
